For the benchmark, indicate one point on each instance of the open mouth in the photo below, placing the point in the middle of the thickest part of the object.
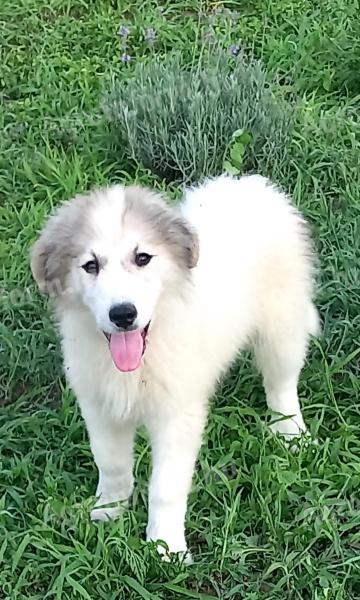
(127, 348)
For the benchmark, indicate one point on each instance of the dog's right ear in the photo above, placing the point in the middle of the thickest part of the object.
(57, 247)
(40, 254)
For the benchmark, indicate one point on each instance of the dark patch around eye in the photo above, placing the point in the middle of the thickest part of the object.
(91, 266)
(142, 259)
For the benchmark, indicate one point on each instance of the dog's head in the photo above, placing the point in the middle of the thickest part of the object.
(116, 252)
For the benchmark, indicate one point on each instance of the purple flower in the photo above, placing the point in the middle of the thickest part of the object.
(234, 50)
(123, 31)
(150, 35)
(125, 58)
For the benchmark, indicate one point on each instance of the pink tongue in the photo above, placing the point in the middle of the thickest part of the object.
(127, 349)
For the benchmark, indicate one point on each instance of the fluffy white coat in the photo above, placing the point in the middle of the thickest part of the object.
(252, 285)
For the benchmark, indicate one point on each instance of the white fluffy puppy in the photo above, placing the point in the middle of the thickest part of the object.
(154, 303)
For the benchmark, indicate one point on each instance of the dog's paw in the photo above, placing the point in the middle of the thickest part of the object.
(106, 513)
(107, 509)
(294, 434)
(184, 556)
(289, 427)
(170, 545)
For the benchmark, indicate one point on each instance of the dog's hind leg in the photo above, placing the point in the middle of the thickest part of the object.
(112, 447)
(280, 350)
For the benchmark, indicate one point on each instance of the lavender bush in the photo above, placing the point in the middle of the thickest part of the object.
(179, 120)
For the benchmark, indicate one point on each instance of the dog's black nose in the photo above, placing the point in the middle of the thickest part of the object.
(123, 315)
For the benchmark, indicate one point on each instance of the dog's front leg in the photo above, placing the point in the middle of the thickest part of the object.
(175, 440)
(111, 443)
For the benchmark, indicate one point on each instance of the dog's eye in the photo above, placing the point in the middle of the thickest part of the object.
(92, 266)
(142, 259)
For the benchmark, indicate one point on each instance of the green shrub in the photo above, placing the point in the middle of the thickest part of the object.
(178, 121)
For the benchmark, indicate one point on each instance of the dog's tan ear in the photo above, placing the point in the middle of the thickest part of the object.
(50, 266)
(193, 249)
(39, 256)
(184, 241)
(57, 246)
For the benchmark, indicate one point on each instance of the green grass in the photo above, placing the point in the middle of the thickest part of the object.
(262, 522)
